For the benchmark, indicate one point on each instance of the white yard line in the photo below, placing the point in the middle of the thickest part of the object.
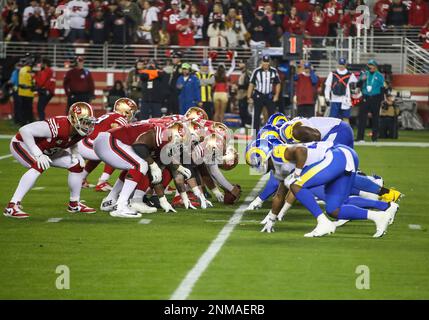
(5, 156)
(145, 221)
(5, 136)
(54, 220)
(415, 227)
(185, 288)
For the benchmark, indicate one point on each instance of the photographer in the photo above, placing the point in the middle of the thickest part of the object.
(45, 86)
(389, 112)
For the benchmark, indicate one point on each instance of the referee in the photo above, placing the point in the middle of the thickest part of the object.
(264, 90)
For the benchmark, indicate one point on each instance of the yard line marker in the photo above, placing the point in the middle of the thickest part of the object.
(5, 156)
(415, 227)
(145, 221)
(38, 188)
(185, 288)
(54, 220)
(5, 136)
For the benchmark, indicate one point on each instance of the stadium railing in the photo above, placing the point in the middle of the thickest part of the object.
(416, 59)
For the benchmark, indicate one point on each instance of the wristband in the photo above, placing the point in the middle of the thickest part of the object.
(298, 171)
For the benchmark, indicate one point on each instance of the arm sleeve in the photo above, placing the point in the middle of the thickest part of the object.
(253, 77)
(219, 177)
(328, 84)
(232, 68)
(314, 78)
(211, 70)
(39, 129)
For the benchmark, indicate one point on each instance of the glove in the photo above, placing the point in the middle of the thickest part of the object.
(77, 157)
(186, 202)
(218, 194)
(186, 172)
(255, 204)
(205, 203)
(156, 173)
(166, 205)
(43, 162)
(269, 221)
(283, 211)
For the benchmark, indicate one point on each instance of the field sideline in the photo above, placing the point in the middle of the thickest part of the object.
(122, 259)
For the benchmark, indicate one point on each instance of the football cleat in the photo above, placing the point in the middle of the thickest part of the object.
(340, 222)
(391, 196)
(392, 210)
(381, 220)
(324, 227)
(14, 211)
(107, 204)
(86, 184)
(141, 207)
(124, 211)
(103, 187)
(79, 207)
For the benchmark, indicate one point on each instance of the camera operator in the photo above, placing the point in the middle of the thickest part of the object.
(154, 90)
(389, 113)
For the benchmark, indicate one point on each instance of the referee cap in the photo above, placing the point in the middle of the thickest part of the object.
(266, 58)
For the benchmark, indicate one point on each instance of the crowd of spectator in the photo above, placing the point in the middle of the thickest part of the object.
(217, 23)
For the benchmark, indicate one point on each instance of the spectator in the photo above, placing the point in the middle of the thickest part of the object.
(78, 84)
(243, 86)
(371, 82)
(13, 31)
(197, 24)
(220, 95)
(303, 8)
(117, 92)
(149, 17)
(29, 11)
(54, 19)
(317, 24)
(26, 90)
(98, 27)
(263, 91)
(389, 113)
(261, 5)
(77, 11)
(170, 19)
(337, 91)
(45, 86)
(397, 14)
(133, 15)
(185, 30)
(154, 92)
(190, 91)
(275, 25)
(418, 13)
(381, 8)
(217, 12)
(349, 23)
(119, 26)
(260, 30)
(217, 32)
(207, 82)
(174, 73)
(134, 83)
(424, 36)
(333, 10)
(235, 30)
(14, 81)
(35, 30)
(305, 91)
(292, 23)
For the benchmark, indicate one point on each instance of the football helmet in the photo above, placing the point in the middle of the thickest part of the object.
(214, 149)
(230, 159)
(126, 107)
(196, 130)
(222, 130)
(82, 118)
(257, 154)
(195, 113)
(177, 132)
(268, 131)
(277, 119)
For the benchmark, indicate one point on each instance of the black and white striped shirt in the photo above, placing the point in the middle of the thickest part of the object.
(265, 80)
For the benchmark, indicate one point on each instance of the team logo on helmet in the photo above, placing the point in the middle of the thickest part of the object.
(126, 107)
(82, 118)
(277, 119)
(257, 154)
(195, 113)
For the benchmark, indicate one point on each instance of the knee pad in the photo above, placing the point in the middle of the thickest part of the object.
(35, 167)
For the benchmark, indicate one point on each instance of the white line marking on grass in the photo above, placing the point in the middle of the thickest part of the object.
(185, 288)
(54, 220)
(145, 221)
(378, 144)
(38, 188)
(415, 227)
(242, 221)
(5, 156)
(5, 136)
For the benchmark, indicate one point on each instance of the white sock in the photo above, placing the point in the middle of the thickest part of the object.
(104, 177)
(75, 185)
(322, 218)
(138, 194)
(127, 190)
(114, 193)
(373, 215)
(368, 195)
(27, 182)
(84, 174)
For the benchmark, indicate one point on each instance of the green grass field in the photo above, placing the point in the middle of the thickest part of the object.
(111, 258)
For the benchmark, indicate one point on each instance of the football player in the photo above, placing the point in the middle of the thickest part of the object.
(52, 142)
(123, 113)
(311, 165)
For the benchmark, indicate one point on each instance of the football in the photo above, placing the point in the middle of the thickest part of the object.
(229, 198)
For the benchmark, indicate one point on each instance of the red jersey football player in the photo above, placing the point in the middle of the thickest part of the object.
(131, 148)
(123, 113)
(52, 142)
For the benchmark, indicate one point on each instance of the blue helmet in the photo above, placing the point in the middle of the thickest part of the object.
(268, 131)
(277, 119)
(257, 154)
